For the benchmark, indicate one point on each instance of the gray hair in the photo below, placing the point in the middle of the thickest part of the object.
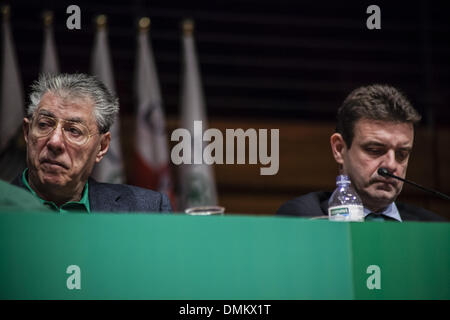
(106, 104)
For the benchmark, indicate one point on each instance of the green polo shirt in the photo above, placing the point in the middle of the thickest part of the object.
(82, 205)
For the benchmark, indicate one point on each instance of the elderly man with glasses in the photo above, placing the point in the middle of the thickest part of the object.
(67, 132)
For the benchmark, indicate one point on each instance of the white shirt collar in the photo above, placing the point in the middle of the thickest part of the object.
(391, 211)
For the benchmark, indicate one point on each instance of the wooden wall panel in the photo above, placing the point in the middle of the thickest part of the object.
(306, 164)
(304, 158)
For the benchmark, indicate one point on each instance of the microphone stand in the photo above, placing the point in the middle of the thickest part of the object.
(384, 172)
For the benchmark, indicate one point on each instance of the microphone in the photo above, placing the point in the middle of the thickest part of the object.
(385, 173)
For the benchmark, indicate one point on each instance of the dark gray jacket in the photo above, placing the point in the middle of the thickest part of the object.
(315, 204)
(107, 197)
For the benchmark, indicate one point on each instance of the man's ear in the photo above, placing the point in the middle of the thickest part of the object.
(105, 139)
(338, 147)
(26, 128)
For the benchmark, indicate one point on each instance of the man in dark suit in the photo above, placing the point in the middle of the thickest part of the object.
(375, 129)
(67, 132)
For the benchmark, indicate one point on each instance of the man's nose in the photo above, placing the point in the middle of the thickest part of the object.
(56, 140)
(389, 161)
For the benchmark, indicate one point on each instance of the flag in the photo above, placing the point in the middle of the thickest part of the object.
(197, 183)
(151, 151)
(110, 168)
(49, 61)
(12, 145)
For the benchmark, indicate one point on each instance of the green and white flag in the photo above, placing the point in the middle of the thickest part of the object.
(198, 186)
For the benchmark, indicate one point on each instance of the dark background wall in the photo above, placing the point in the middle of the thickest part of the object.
(279, 61)
(258, 57)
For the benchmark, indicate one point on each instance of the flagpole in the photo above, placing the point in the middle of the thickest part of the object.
(6, 11)
(144, 24)
(47, 17)
(101, 22)
(188, 27)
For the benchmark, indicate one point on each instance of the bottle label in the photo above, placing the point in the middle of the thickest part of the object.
(346, 213)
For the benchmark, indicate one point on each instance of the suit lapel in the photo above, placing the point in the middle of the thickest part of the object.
(323, 199)
(324, 206)
(102, 197)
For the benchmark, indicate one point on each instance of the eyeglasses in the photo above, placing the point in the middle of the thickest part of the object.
(74, 132)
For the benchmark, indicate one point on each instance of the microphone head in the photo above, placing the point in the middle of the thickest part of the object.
(383, 172)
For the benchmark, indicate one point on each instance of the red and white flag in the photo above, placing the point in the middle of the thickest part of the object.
(151, 166)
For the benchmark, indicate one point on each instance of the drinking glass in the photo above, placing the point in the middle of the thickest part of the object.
(205, 211)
